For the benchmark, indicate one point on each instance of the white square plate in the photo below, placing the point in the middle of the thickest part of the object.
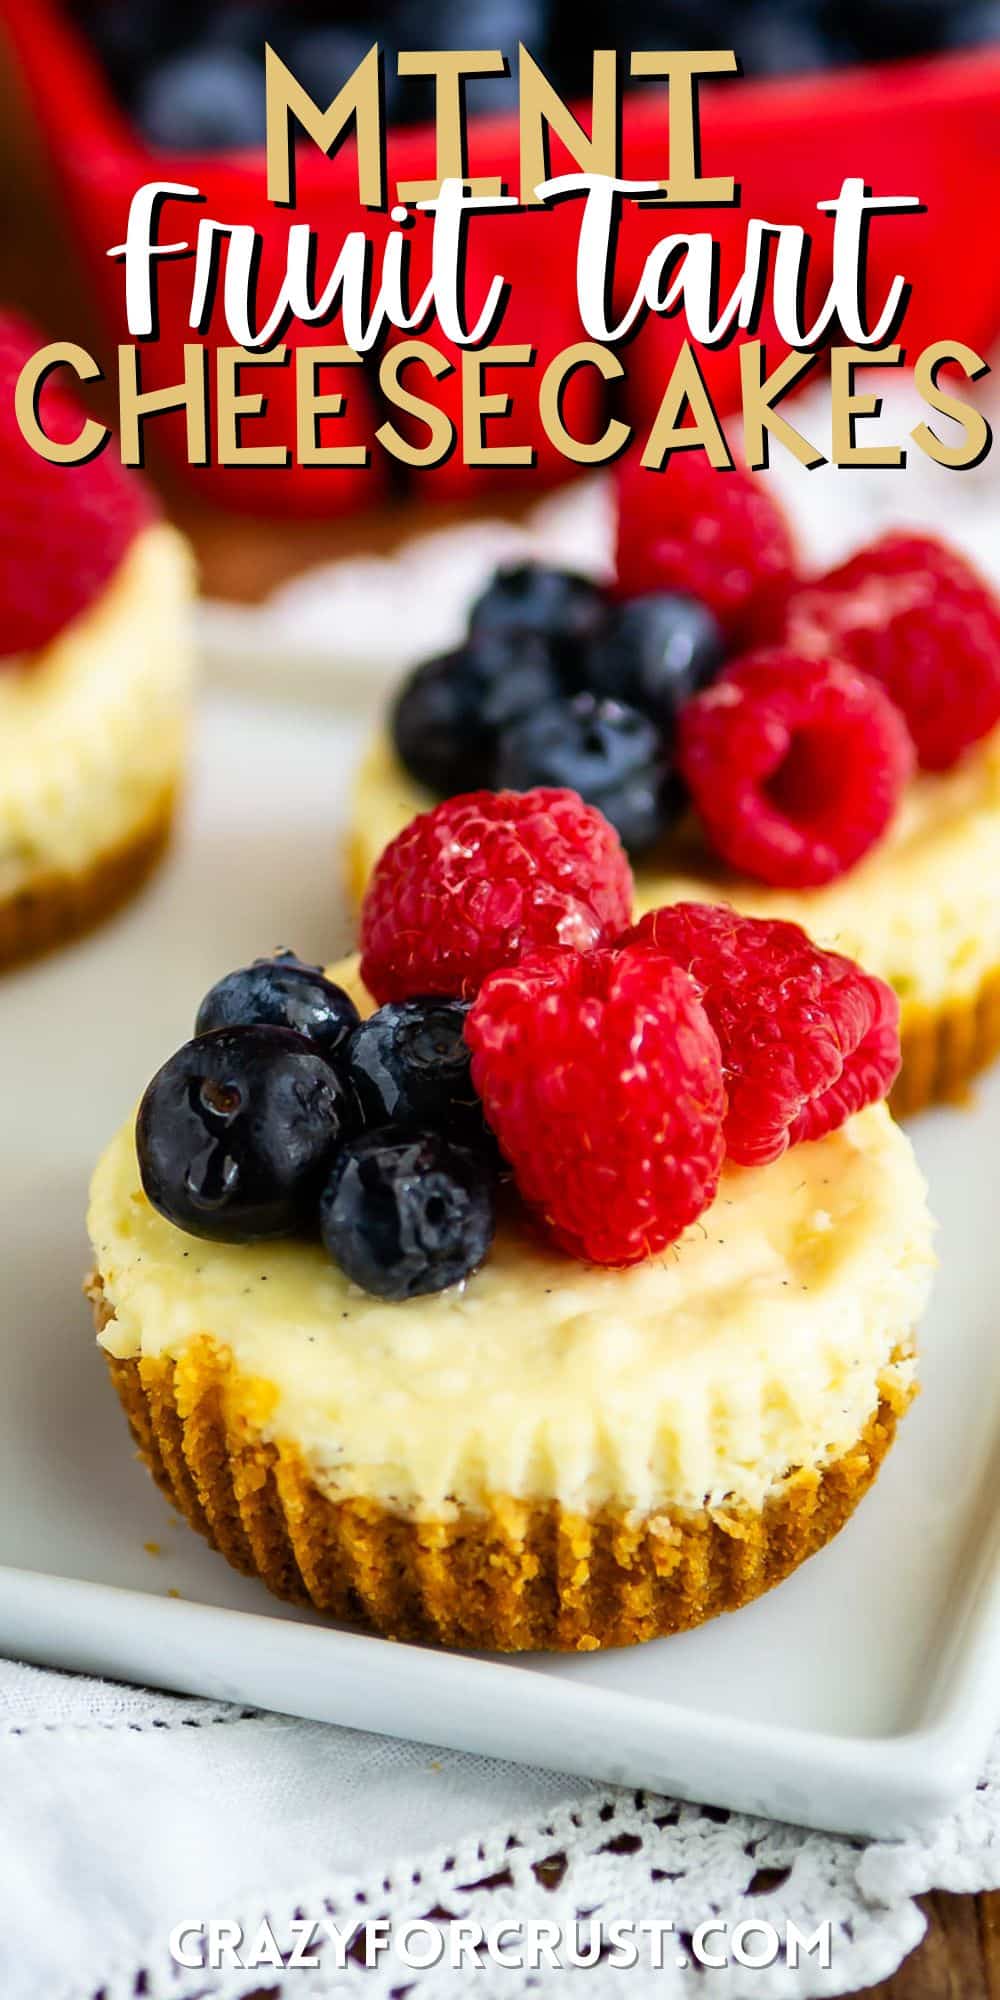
(859, 1696)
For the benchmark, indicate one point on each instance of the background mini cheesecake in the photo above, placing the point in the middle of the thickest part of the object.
(96, 665)
(826, 752)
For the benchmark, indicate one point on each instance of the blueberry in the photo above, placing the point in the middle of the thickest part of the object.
(785, 45)
(405, 1213)
(128, 37)
(237, 1132)
(444, 24)
(323, 57)
(281, 992)
(206, 98)
(409, 1065)
(449, 713)
(971, 26)
(656, 24)
(562, 608)
(884, 30)
(607, 752)
(246, 25)
(655, 653)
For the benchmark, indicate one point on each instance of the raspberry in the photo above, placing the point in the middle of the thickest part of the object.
(65, 527)
(796, 766)
(484, 878)
(916, 616)
(807, 1037)
(716, 536)
(602, 1079)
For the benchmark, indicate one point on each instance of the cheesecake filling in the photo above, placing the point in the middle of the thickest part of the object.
(921, 909)
(93, 730)
(760, 1342)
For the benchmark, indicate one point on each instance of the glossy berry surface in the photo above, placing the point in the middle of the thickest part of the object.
(483, 878)
(607, 752)
(807, 1037)
(557, 605)
(917, 617)
(404, 1214)
(449, 713)
(602, 1078)
(237, 1131)
(718, 536)
(410, 1067)
(281, 992)
(654, 653)
(795, 766)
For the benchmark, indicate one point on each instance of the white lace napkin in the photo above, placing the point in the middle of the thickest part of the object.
(123, 1813)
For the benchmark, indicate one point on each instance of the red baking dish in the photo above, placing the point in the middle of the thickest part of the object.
(927, 128)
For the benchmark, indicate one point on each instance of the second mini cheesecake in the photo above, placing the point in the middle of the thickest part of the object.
(826, 753)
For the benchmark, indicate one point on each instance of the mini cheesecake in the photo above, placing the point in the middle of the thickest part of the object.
(93, 733)
(549, 1454)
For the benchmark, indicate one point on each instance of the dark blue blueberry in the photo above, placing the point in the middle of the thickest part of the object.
(607, 752)
(655, 653)
(237, 1133)
(651, 24)
(129, 37)
(246, 25)
(971, 27)
(449, 714)
(406, 1213)
(785, 44)
(322, 57)
(281, 992)
(557, 605)
(410, 1068)
(206, 98)
(445, 24)
(884, 30)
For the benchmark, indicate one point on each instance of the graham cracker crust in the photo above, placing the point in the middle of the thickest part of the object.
(518, 1576)
(945, 1049)
(55, 906)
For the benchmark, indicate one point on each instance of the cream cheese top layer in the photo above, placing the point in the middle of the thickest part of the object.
(757, 1343)
(92, 730)
(922, 908)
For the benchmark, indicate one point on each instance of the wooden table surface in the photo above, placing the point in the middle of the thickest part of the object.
(959, 1958)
